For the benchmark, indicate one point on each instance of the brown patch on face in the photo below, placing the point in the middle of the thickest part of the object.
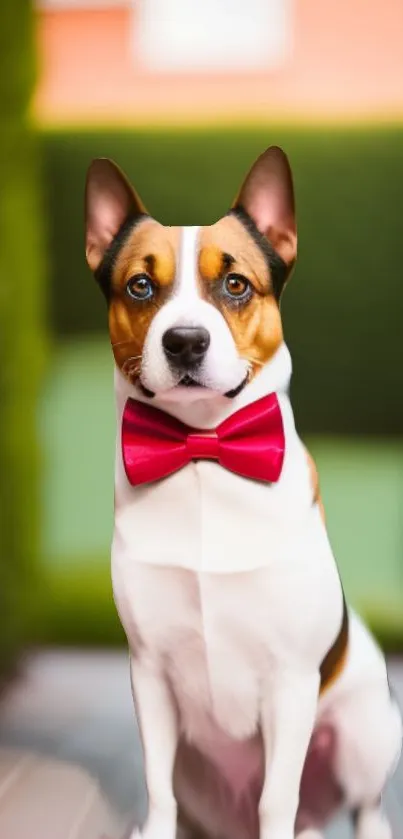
(151, 251)
(227, 248)
(212, 262)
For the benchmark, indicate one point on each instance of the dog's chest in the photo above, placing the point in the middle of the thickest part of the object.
(213, 668)
(213, 653)
(218, 638)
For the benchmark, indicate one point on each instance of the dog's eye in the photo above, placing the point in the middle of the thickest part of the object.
(237, 287)
(140, 287)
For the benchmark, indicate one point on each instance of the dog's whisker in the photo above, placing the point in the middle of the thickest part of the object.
(256, 361)
(133, 360)
(132, 366)
(122, 343)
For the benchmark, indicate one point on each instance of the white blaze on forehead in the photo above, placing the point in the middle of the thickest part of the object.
(186, 273)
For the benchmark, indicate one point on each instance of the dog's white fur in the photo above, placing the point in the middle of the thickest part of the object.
(230, 598)
(222, 369)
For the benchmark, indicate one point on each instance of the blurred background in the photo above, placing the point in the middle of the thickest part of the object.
(183, 96)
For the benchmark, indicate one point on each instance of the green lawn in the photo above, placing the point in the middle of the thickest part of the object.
(361, 479)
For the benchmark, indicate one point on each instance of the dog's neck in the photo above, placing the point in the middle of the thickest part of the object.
(208, 412)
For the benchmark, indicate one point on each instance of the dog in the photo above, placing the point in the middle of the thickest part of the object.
(262, 699)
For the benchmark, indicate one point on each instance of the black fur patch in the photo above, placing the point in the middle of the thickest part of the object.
(277, 267)
(103, 273)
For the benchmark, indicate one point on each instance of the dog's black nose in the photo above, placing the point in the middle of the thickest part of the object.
(185, 346)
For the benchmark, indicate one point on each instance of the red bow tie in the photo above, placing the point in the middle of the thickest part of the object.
(250, 442)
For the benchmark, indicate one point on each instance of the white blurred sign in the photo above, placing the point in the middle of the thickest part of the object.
(213, 35)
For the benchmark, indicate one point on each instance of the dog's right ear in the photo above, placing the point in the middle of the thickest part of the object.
(109, 202)
(267, 196)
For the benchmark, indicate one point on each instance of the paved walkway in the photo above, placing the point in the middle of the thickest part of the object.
(76, 707)
(41, 798)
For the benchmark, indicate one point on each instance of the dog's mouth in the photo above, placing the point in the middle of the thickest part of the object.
(186, 381)
(145, 390)
(189, 382)
(231, 394)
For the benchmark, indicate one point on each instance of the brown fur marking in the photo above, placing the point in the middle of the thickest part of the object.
(224, 247)
(335, 659)
(256, 324)
(151, 249)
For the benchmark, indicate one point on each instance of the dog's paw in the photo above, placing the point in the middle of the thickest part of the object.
(310, 833)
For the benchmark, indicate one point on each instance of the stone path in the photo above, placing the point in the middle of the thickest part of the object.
(76, 708)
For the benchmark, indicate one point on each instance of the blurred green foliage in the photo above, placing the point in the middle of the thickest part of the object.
(21, 335)
(342, 311)
(77, 608)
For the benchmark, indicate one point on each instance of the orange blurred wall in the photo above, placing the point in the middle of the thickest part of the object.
(346, 62)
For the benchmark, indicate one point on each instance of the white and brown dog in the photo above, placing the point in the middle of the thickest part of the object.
(263, 702)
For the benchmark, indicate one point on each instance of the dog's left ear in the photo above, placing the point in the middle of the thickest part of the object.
(267, 196)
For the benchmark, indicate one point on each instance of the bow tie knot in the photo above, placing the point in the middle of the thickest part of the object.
(250, 443)
(203, 446)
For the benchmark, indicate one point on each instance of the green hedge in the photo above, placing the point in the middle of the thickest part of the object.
(77, 608)
(342, 311)
(21, 347)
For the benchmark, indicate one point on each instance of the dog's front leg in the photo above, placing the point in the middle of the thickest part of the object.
(287, 721)
(157, 721)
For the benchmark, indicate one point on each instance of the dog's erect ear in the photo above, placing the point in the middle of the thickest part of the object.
(267, 196)
(109, 202)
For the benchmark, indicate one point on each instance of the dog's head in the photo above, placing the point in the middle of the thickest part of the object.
(193, 311)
